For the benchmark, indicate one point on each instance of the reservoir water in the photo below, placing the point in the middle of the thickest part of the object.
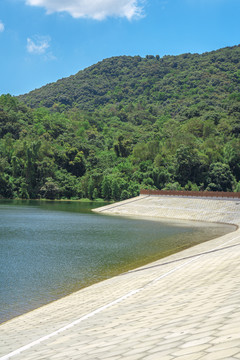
(50, 249)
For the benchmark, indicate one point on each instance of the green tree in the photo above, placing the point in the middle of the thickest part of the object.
(68, 184)
(6, 186)
(187, 165)
(31, 176)
(125, 195)
(231, 152)
(123, 147)
(50, 190)
(23, 191)
(161, 177)
(91, 188)
(95, 193)
(106, 188)
(76, 163)
(115, 189)
(220, 178)
(140, 153)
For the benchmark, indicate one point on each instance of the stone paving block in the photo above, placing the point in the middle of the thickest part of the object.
(203, 331)
(224, 345)
(190, 350)
(200, 341)
(237, 356)
(224, 338)
(222, 354)
(195, 356)
(133, 357)
(156, 357)
(159, 352)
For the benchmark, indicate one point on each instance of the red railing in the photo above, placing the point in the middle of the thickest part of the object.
(219, 194)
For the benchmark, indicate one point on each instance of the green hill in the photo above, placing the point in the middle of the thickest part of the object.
(162, 82)
(126, 123)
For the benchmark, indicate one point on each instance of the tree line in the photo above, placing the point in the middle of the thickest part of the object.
(124, 124)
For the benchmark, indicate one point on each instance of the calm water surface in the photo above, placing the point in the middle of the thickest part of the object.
(50, 249)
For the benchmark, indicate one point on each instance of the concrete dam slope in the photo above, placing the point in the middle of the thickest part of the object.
(178, 207)
(183, 307)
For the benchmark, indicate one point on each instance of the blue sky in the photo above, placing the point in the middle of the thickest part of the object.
(42, 41)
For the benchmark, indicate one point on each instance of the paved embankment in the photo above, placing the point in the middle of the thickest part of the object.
(184, 307)
(205, 209)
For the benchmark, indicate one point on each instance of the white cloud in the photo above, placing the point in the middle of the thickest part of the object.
(38, 45)
(95, 9)
(1, 26)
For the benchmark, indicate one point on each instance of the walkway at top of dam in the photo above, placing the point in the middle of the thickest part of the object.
(185, 306)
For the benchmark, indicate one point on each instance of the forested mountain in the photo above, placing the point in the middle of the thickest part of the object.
(164, 83)
(126, 123)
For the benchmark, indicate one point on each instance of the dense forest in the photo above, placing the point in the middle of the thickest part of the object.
(124, 124)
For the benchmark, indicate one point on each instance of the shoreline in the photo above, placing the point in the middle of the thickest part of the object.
(92, 310)
(124, 209)
(138, 263)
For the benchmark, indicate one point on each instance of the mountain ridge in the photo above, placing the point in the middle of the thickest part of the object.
(124, 78)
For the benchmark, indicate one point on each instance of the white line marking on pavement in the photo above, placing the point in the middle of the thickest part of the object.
(102, 308)
(46, 337)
